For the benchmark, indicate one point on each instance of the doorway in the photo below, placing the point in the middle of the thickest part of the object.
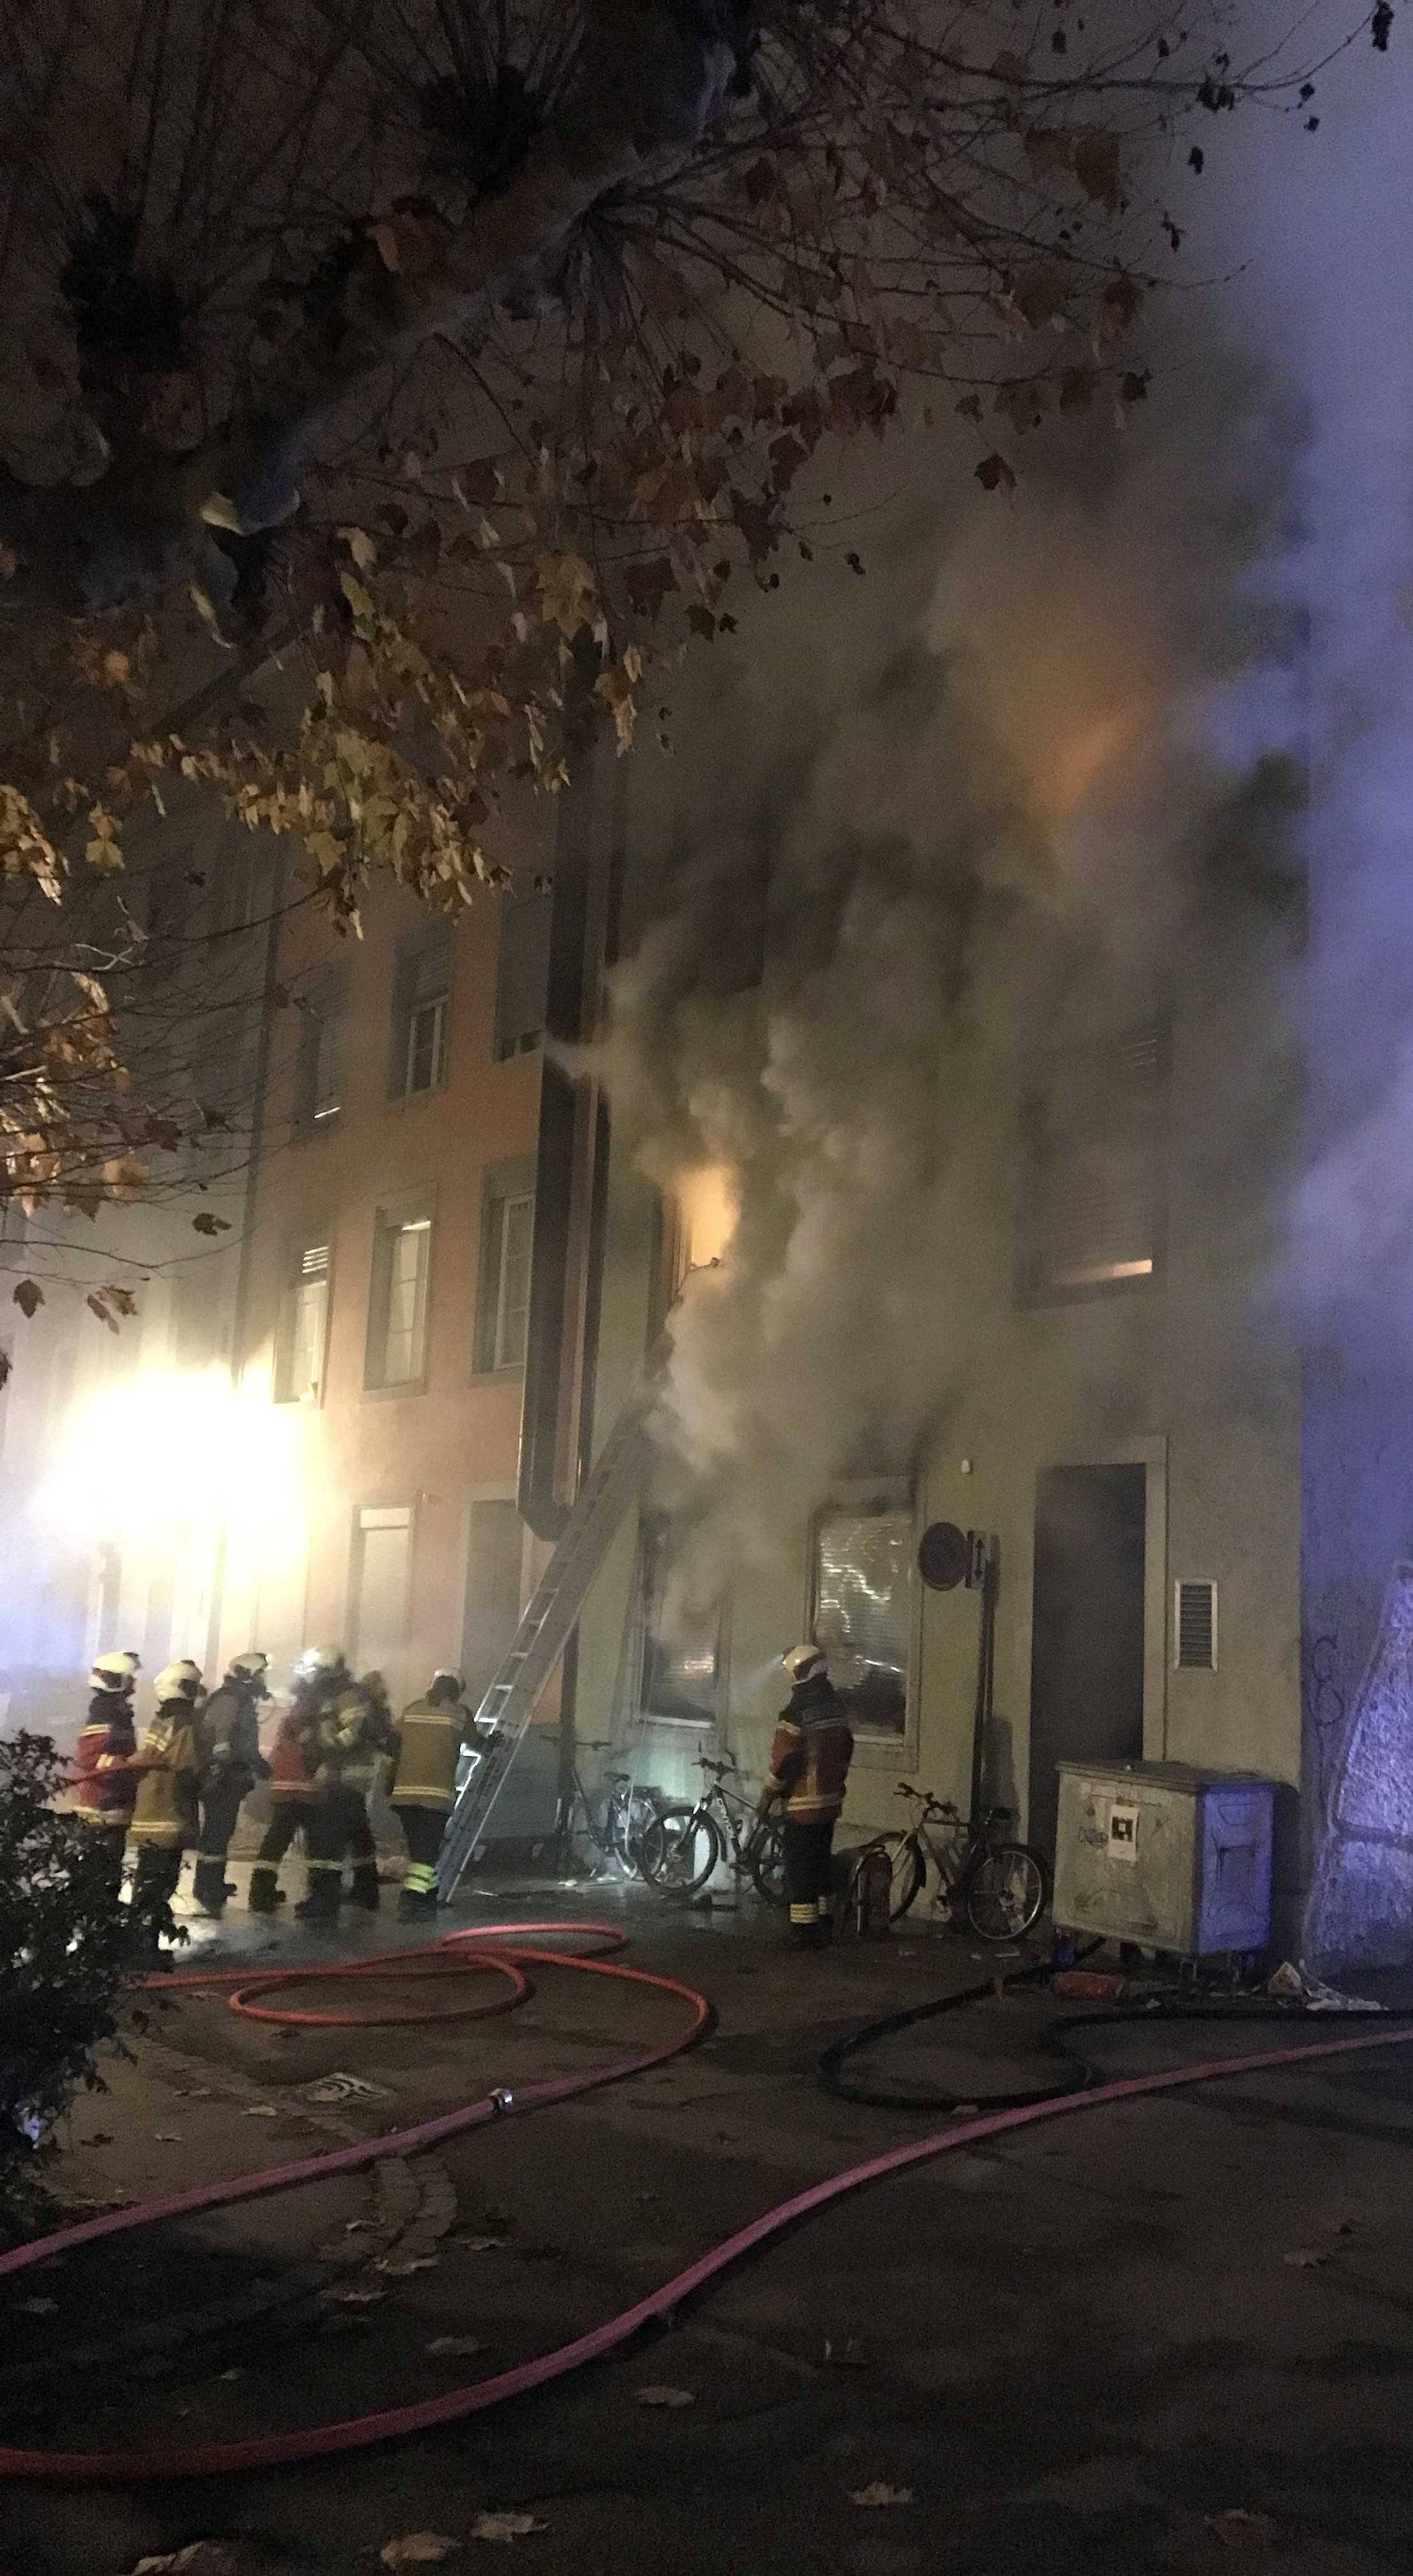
(1086, 1666)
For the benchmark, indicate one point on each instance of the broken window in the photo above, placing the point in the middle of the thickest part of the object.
(681, 1646)
(862, 1605)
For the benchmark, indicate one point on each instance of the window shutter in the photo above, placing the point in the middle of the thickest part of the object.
(1093, 1212)
(522, 975)
(1195, 1627)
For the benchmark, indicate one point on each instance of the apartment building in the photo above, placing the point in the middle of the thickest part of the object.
(386, 1302)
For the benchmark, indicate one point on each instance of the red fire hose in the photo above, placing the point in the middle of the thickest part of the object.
(360, 2432)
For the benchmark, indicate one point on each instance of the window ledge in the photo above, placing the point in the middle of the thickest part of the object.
(408, 1386)
(498, 1377)
(409, 1099)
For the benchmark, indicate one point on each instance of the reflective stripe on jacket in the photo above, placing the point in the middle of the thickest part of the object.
(810, 1757)
(104, 1784)
(289, 1769)
(165, 1813)
(428, 1744)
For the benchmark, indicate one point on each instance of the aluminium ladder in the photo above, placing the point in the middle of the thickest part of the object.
(546, 1625)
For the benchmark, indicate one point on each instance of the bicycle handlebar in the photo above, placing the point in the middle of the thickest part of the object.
(925, 1799)
(720, 1768)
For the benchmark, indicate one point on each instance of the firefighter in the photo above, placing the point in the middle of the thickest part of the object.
(229, 1763)
(165, 1817)
(809, 1764)
(426, 1747)
(106, 1764)
(349, 1738)
(318, 1675)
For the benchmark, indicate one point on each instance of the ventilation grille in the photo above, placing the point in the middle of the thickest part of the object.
(1195, 1624)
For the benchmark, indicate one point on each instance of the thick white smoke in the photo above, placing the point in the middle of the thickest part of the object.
(982, 785)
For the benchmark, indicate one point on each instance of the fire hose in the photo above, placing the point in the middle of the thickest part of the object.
(508, 1960)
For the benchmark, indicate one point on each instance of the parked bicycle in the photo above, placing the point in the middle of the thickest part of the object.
(616, 1833)
(1000, 1888)
(683, 1845)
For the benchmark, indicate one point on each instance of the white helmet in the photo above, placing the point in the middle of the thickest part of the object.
(319, 1659)
(803, 1661)
(178, 1681)
(114, 1672)
(252, 1666)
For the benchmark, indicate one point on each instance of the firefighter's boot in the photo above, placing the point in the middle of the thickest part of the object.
(364, 1890)
(208, 1884)
(321, 1905)
(265, 1889)
(417, 1905)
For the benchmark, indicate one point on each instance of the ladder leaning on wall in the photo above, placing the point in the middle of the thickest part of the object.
(546, 1625)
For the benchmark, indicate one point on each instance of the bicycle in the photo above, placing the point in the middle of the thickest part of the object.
(1000, 1888)
(684, 1845)
(628, 1810)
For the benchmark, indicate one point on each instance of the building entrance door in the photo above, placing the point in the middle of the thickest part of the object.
(1086, 1669)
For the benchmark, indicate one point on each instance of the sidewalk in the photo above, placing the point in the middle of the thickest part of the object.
(1168, 2335)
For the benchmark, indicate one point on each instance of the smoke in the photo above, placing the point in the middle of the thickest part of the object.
(984, 795)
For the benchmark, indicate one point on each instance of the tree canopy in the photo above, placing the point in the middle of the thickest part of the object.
(479, 347)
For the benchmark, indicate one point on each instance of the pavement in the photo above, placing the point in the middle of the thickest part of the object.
(1166, 2335)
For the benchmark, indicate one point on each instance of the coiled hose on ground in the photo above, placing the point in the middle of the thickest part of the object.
(508, 1957)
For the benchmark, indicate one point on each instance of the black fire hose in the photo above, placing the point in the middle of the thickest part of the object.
(1079, 2073)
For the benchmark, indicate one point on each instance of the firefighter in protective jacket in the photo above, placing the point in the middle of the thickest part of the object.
(229, 1762)
(317, 1678)
(349, 1739)
(809, 1765)
(426, 1747)
(106, 1768)
(164, 1816)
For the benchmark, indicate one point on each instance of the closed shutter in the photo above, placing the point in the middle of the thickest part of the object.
(522, 976)
(1093, 1202)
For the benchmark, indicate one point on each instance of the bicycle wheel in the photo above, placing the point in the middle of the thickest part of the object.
(631, 1823)
(765, 1859)
(679, 1850)
(1007, 1892)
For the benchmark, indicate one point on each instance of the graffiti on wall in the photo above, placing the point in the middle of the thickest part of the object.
(1361, 1900)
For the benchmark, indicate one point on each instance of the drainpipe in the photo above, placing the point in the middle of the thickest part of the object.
(259, 1086)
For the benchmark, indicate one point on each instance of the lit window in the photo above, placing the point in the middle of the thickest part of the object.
(397, 1321)
(863, 1557)
(303, 1330)
(1092, 1214)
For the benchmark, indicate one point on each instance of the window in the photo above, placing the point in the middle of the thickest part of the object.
(303, 1326)
(397, 1312)
(507, 1243)
(522, 974)
(862, 1605)
(1092, 1216)
(319, 1088)
(421, 1013)
(382, 1574)
(681, 1647)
